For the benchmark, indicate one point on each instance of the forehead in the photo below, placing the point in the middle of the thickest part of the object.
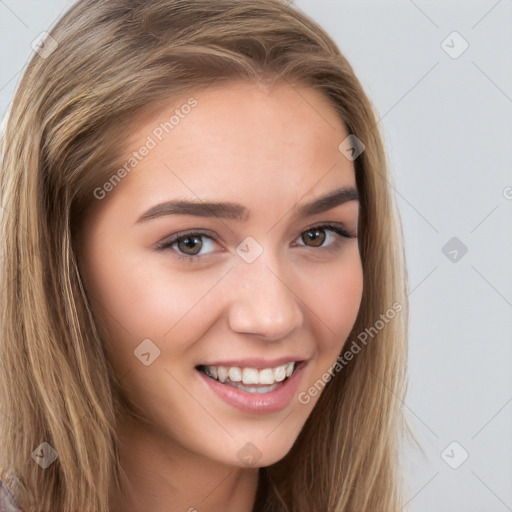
(238, 139)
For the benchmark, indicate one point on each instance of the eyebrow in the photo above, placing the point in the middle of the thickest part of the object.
(235, 211)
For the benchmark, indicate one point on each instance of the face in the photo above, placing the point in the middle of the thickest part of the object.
(195, 294)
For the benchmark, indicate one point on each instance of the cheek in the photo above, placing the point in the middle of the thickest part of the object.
(334, 303)
(341, 299)
(138, 299)
(333, 295)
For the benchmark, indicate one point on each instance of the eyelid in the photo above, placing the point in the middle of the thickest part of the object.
(338, 228)
(167, 241)
(333, 226)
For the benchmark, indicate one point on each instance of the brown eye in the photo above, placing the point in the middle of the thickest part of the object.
(190, 245)
(325, 236)
(314, 235)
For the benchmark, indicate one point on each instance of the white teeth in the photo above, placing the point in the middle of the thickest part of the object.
(250, 376)
(266, 376)
(252, 389)
(235, 374)
(222, 373)
(280, 373)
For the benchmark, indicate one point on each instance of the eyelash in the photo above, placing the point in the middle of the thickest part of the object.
(167, 243)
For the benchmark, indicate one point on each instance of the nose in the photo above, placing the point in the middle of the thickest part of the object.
(263, 301)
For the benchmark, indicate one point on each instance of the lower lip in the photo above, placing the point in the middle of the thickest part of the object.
(245, 401)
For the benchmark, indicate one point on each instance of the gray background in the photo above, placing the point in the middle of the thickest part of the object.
(447, 126)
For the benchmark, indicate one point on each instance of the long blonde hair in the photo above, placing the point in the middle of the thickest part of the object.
(106, 62)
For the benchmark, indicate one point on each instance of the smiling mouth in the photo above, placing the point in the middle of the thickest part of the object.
(251, 380)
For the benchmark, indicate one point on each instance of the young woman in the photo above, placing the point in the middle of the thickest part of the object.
(204, 289)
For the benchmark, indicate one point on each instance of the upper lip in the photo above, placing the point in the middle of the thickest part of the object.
(257, 363)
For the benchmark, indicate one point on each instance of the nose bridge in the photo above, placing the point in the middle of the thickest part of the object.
(262, 299)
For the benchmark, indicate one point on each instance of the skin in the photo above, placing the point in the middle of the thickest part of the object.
(295, 298)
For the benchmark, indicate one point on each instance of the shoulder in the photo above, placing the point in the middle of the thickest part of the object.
(13, 494)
